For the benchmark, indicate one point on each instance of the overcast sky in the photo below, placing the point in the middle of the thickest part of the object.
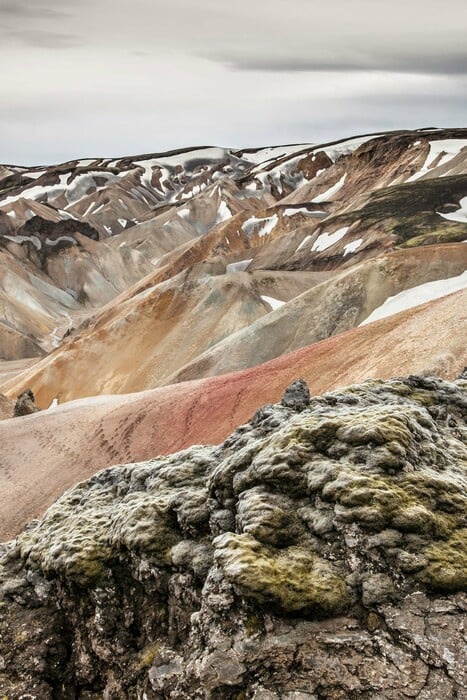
(121, 77)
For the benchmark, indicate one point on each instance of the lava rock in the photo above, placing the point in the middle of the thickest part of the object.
(296, 396)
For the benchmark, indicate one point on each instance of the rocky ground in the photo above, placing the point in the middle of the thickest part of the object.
(318, 553)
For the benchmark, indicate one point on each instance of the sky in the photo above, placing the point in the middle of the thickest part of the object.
(112, 77)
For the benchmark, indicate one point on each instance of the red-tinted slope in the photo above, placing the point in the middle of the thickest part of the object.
(43, 454)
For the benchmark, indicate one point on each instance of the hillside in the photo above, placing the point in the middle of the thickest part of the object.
(124, 275)
(46, 453)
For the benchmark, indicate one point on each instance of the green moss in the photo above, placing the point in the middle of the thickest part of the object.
(241, 695)
(147, 655)
(447, 564)
(408, 504)
(409, 212)
(441, 233)
(295, 578)
(89, 570)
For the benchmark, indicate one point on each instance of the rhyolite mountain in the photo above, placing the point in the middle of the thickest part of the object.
(170, 256)
(146, 284)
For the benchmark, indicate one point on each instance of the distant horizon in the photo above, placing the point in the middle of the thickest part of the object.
(241, 147)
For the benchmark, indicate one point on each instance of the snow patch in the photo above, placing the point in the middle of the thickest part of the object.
(265, 155)
(409, 298)
(346, 148)
(458, 215)
(183, 213)
(352, 246)
(239, 266)
(449, 147)
(260, 226)
(49, 241)
(326, 240)
(325, 196)
(302, 210)
(21, 239)
(34, 174)
(303, 243)
(273, 303)
(223, 212)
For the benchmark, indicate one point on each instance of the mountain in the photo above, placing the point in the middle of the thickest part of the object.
(128, 274)
(318, 552)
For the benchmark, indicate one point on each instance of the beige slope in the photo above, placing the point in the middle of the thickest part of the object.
(145, 339)
(196, 325)
(30, 307)
(139, 343)
(6, 407)
(332, 307)
(36, 298)
(42, 455)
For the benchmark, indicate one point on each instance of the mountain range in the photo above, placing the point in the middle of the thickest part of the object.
(233, 423)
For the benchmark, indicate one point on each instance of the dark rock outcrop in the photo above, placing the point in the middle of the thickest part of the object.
(56, 229)
(312, 555)
(25, 404)
(297, 395)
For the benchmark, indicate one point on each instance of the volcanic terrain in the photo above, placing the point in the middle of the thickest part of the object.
(174, 293)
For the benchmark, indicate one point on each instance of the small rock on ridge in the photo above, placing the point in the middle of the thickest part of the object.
(297, 395)
(25, 405)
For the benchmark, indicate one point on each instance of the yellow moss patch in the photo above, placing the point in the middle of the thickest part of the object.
(147, 655)
(447, 563)
(295, 578)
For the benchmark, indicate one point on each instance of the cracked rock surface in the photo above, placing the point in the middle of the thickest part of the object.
(319, 552)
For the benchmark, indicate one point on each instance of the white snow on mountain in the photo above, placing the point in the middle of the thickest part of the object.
(265, 155)
(273, 303)
(326, 240)
(448, 148)
(303, 243)
(260, 226)
(239, 266)
(418, 295)
(458, 215)
(325, 196)
(302, 210)
(223, 213)
(352, 246)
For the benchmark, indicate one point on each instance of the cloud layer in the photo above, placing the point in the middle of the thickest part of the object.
(109, 77)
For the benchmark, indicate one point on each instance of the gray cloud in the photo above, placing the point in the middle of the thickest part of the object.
(44, 39)
(455, 64)
(149, 75)
(22, 10)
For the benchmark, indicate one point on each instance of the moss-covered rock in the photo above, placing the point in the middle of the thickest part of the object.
(171, 574)
(294, 578)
